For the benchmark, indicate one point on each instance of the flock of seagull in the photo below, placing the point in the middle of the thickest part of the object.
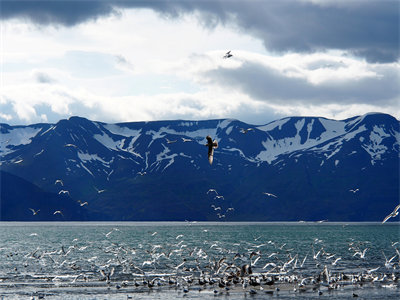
(255, 266)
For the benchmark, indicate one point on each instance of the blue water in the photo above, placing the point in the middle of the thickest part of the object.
(68, 260)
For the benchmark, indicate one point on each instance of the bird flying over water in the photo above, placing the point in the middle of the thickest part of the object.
(58, 212)
(394, 213)
(34, 212)
(269, 194)
(211, 146)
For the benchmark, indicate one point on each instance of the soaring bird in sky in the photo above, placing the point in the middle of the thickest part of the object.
(394, 213)
(228, 54)
(211, 146)
(34, 212)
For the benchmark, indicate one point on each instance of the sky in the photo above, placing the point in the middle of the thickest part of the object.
(138, 60)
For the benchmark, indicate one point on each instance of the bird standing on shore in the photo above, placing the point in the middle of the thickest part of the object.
(211, 146)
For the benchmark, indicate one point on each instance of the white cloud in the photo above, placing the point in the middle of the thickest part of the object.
(142, 67)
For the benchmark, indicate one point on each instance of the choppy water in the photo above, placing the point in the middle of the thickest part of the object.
(69, 260)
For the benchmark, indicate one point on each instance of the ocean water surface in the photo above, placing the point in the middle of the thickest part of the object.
(199, 260)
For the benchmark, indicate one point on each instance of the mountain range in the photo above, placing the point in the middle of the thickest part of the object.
(292, 169)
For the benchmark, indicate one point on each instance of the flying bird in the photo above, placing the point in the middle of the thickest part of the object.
(211, 146)
(242, 130)
(82, 203)
(186, 140)
(99, 191)
(34, 212)
(170, 142)
(58, 212)
(59, 181)
(228, 54)
(394, 213)
(64, 192)
(354, 190)
(269, 194)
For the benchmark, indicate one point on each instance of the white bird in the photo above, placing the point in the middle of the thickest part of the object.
(354, 191)
(64, 192)
(216, 207)
(335, 262)
(82, 203)
(59, 181)
(212, 191)
(99, 191)
(34, 212)
(58, 212)
(112, 230)
(243, 130)
(219, 197)
(186, 140)
(142, 173)
(170, 142)
(228, 54)
(70, 145)
(393, 214)
(269, 194)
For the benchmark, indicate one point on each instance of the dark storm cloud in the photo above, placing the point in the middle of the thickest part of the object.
(267, 84)
(369, 29)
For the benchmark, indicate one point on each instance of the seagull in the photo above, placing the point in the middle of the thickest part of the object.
(82, 203)
(211, 146)
(142, 173)
(59, 181)
(242, 130)
(99, 191)
(394, 213)
(219, 197)
(70, 145)
(58, 212)
(170, 142)
(34, 212)
(269, 194)
(212, 191)
(112, 230)
(216, 208)
(354, 191)
(228, 54)
(64, 192)
(186, 140)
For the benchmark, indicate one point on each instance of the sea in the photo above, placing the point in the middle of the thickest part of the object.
(199, 260)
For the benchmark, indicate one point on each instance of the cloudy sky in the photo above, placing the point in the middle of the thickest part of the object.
(138, 60)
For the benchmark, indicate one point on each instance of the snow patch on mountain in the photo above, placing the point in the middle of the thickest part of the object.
(109, 142)
(17, 137)
(375, 148)
(271, 126)
(122, 130)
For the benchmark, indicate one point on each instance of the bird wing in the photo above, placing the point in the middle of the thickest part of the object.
(215, 144)
(209, 139)
(210, 155)
(397, 208)
(387, 218)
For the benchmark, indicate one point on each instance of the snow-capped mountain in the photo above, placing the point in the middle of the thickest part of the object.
(159, 170)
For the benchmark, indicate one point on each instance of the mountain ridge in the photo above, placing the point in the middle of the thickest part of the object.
(292, 157)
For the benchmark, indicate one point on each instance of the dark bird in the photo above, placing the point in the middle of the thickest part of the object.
(211, 146)
(228, 54)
